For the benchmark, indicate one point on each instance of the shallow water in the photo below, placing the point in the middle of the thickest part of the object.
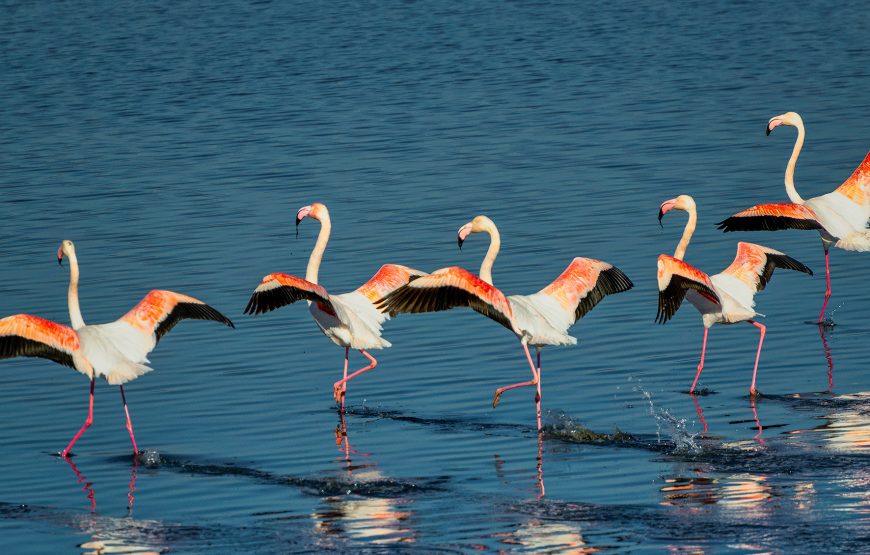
(174, 146)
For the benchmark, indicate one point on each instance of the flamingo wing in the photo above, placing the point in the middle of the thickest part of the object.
(675, 278)
(584, 283)
(389, 278)
(24, 335)
(159, 311)
(448, 288)
(277, 290)
(772, 217)
(857, 187)
(754, 265)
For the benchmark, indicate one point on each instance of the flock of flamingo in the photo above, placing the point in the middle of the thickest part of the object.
(118, 350)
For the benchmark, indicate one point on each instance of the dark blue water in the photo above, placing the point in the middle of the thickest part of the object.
(174, 144)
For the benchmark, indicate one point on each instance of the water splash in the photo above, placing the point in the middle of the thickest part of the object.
(683, 439)
(559, 425)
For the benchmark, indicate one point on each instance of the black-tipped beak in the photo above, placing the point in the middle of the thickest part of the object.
(60, 261)
(459, 242)
(767, 130)
(297, 226)
(661, 215)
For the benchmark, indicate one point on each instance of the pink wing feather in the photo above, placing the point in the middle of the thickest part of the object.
(31, 336)
(675, 278)
(448, 288)
(584, 283)
(857, 187)
(159, 311)
(754, 265)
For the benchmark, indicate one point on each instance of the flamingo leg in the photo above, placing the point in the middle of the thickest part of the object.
(701, 364)
(752, 391)
(538, 394)
(86, 425)
(534, 381)
(340, 387)
(129, 422)
(828, 289)
(344, 385)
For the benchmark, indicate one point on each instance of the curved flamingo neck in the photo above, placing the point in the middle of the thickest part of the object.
(75, 313)
(319, 247)
(687, 233)
(789, 169)
(494, 246)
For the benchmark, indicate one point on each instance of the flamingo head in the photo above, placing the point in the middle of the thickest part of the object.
(477, 225)
(316, 211)
(66, 248)
(788, 118)
(682, 202)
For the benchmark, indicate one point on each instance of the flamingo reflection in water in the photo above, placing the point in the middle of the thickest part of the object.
(88, 486)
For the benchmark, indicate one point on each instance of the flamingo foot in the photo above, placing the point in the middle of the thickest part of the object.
(496, 398)
(754, 394)
(338, 391)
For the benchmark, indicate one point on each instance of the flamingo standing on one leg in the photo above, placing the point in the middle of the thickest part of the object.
(117, 350)
(841, 217)
(725, 298)
(539, 319)
(350, 320)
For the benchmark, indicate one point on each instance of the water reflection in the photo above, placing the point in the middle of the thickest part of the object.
(90, 492)
(847, 427)
(541, 536)
(539, 468)
(745, 494)
(371, 519)
(828, 357)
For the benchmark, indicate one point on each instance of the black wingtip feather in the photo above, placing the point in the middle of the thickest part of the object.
(765, 223)
(190, 311)
(12, 346)
(610, 281)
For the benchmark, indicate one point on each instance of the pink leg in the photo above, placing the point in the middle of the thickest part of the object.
(339, 388)
(129, 423)
(87, 424)
(344, 385)
(701, 365)
(538, 394)
(752, 391)
(534, 381)
(828, 290)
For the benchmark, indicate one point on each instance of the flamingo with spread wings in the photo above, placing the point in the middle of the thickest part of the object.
(841, 217)
(540, 319)
(725, 298)
(116, 351)
(350, 320)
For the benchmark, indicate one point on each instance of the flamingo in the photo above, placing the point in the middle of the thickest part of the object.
(725, 298)
(350, 320)
(116, 351)
(841, 217)
(540, 319)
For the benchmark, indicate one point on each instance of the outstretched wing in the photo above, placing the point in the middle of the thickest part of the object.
(675, 279)
(24, 335)
(771, 217)
(857, 187)
(277, 290)
(389, 278)
(448, 288)
(584, 283)
(159, 311)
(754, 265)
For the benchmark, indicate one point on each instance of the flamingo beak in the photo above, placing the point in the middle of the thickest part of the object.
(60, 256)
(772, 124)
(464, 232)
(665, 208)
(300, 215)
